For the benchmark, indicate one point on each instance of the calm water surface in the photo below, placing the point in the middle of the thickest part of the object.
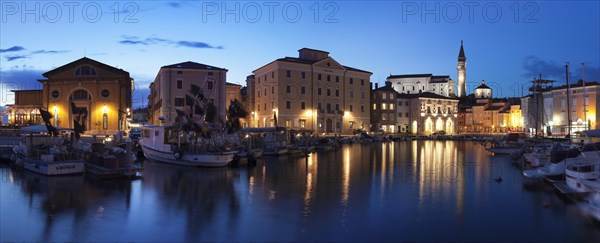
(400, 191)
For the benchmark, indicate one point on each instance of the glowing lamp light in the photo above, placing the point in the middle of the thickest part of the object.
(104, 109)
(55, 109)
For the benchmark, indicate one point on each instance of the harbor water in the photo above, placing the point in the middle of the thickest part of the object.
(394, 191)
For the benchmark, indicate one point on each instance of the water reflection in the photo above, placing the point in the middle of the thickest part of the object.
(202, 197)
(398, 191)
(66, 201)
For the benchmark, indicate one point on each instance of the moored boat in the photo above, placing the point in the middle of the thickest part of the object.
(170, 145)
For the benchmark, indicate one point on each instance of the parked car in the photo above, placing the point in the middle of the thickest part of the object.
(135, 133)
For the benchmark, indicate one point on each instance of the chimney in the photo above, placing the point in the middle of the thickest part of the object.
(376, 85)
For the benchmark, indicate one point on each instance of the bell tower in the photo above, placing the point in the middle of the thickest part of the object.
(462, 72)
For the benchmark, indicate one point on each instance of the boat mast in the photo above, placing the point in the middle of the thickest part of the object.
(584, 99)
(568, 103)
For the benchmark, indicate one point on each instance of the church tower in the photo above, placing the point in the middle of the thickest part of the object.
(462, 72)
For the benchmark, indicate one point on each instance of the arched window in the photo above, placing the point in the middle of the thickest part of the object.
(81, 95)
(85, 71)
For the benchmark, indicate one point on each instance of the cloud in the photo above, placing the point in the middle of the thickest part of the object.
(134, 40)
(12, 49)
(15, 57)
(549, 69)
(174, 4)
(196, 44)
(49, 52)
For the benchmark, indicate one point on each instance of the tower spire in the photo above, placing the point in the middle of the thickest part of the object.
(462, 71)
(461, 54)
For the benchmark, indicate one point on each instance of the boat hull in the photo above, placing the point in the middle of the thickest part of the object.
(213, 159)
(67, 167)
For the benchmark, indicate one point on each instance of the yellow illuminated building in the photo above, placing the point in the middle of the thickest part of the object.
(312, 91)
(100, 93)
(556, 113)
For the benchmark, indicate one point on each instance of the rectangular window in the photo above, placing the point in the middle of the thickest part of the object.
(362, 94)
(265, 106)
(319, 91)
(351, 80)
(265, 91)
(258, 107)
(209, 85)
(400, 103)
(210, 73)
(288, 104)
(374, 107)
(319, 106)
(399, 114)
(384, 106)
(328, 77)
(337, 92)
(179, 101)
(384, 96)
(406, 114)
(179, 84)
(179, 72)
(406, 103)
(272, 74)
(383, 116)
(337, 107)
(351, 94)
(337, 79)
(362, 82)
(303, 75)
(328, 92)
(319, 76)
(328, 107)
(303, 90)
(302, 105)
(302, 123)
(391, 106)
(288, 89)
(288, 73)
(350, 108)
(272, 89)
(362, 108)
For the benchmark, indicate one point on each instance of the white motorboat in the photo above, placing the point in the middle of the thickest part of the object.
(170, 145)
(558, 152)
(583, 176)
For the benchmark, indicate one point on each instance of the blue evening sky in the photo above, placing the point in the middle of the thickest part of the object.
(506, 42)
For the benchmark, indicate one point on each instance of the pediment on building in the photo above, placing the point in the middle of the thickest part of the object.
(329, 63)
(85, 68)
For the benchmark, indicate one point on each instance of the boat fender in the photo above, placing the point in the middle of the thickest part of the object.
(177, 155)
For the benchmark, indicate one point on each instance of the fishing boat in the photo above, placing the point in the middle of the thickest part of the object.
(47, 155)
(171, 145)
(110, 159)
(273, 140)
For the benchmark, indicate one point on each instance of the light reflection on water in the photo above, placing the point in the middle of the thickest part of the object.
(414, 190)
